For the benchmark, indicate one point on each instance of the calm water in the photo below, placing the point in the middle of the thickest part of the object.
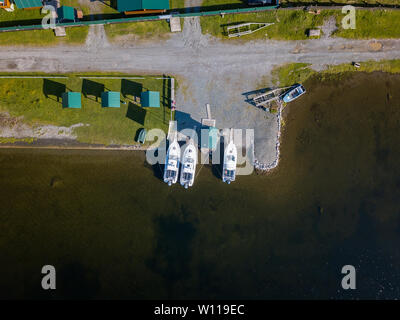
(112, 229)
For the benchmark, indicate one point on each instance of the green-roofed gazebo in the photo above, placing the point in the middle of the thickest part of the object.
(142, 5)
(66, 13)
(72, 100)
(110, 99)
(28, 4)
(150, 99)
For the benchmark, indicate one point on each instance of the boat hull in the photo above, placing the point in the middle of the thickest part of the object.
(188, 166)
(230, 161)
(172, 162)
(293, 93)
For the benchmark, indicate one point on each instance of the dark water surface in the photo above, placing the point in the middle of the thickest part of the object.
(113, 230)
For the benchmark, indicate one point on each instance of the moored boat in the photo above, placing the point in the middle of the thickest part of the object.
(171, 168)
(188, 165)
(293, 93)
(230, 161)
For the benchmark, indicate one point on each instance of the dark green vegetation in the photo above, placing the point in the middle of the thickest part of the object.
(114, 230)
(39, 102)
(294, 24)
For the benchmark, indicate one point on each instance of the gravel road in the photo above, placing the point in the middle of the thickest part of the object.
(209, 70)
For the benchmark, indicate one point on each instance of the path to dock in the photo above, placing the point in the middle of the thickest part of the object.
(208, 70)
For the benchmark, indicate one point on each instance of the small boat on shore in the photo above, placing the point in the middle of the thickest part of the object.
(230, 161)
(189, 162)
(171, 169)
(142, 136)
(293, 93)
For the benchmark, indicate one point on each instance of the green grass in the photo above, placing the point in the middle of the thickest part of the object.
(289, 24)
(294, 24)
(374, 24)
(370, 2)
(27, 98)
(76, 4)
(147, 29)
(29, 17)
(20, 17)
(4, 140)
(75, 35)
(291, 73)
(224, 3)
(176, 4)
(39, 37)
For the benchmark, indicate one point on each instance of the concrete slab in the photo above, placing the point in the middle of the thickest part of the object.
(60, 32)
(175, 24)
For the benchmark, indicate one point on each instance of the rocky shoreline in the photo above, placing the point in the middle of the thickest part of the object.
(263, 167)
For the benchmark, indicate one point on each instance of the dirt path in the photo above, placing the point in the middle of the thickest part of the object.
(214, 71)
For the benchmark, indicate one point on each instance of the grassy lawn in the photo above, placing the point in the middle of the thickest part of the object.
(374, 24)
(224, 4)
(147, 29)
(36, 101)
(75, 35)
(20, 17)
(76, 4)
(291, 73)
(294, 24)
(289, 25)
(369, 2)
(176, 4)
(39, 37)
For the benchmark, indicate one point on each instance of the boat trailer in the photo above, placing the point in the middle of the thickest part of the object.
(266, 98)
(242, 29)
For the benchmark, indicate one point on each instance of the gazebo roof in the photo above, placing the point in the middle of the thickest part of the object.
(72, 100)
(111, 99)
(150, 99)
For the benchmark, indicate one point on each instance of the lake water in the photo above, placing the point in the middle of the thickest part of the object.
(113, 229)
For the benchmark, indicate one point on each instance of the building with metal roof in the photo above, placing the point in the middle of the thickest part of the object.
(72, 100)
(150, 99)
(141, 6)
(110, 99)
(28, 4)
(65, 14)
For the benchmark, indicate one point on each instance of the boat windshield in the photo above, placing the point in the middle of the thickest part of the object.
(230, 173)
(231, 158)
(296, 92)
(187, 176)
(170, 174)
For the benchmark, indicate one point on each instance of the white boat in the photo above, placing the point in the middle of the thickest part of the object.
(295, 92)
(171, 169)
(189, 162)
(230, 160)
